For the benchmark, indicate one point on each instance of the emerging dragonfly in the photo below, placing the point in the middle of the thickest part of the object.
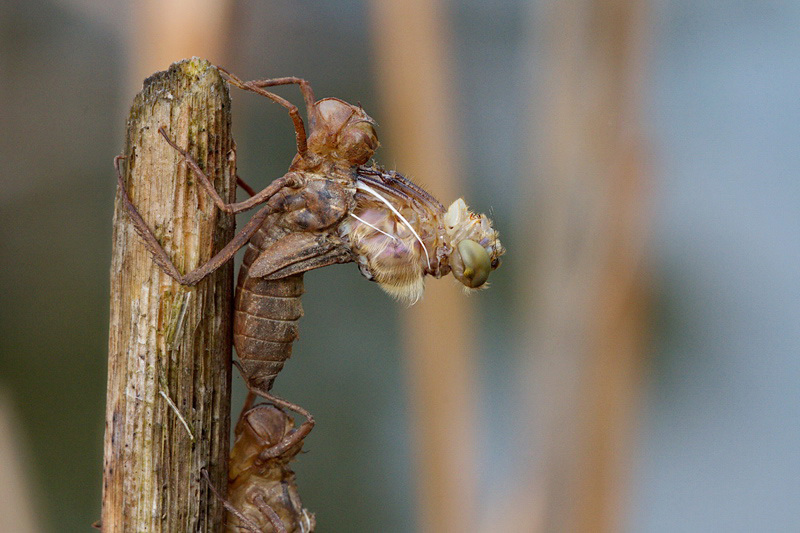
(330, 207)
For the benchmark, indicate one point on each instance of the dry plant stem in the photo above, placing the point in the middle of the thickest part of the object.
(168, 406)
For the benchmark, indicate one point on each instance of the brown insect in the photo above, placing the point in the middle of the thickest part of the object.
(330, 207)
(262, 493)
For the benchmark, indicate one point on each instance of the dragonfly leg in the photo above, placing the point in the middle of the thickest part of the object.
(160, 256)
(269, 512)
(305, 88)
(233, 157)
(248, 402)
(257, 87)
(243, 519)
(205, 182)
(296, 435)
(244, 185)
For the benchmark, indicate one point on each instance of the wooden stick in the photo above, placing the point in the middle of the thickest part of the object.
(169, 369)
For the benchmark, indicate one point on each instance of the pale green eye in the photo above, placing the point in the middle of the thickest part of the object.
(477, 263)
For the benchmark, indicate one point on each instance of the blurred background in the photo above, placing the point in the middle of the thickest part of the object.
(634, 366)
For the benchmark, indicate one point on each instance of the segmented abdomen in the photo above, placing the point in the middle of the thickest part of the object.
(265, 321)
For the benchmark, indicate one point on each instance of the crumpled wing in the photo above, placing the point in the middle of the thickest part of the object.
(300, 252)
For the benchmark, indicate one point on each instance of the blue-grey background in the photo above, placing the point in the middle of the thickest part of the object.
(720, 446)
(719, 441)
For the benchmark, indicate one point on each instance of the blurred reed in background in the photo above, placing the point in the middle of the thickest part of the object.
(420, 102)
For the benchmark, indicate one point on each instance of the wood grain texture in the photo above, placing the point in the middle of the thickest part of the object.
(167, 341)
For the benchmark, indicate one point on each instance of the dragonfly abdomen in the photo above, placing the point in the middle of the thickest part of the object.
(265, 323)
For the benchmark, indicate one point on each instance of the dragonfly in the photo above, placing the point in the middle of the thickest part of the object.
(333, 205)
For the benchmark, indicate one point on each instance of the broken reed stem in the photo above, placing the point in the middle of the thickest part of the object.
(169, 368)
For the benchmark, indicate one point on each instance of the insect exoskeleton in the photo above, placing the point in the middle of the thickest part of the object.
(398, 233)
(342, 131)
(264, 490)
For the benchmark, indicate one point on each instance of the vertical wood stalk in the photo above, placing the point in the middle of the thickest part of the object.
(169, 368)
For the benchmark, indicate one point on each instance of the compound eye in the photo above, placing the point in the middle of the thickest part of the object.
(477, 263)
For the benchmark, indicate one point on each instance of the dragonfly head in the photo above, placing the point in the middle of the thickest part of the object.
(475, 245)
(342, 131)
